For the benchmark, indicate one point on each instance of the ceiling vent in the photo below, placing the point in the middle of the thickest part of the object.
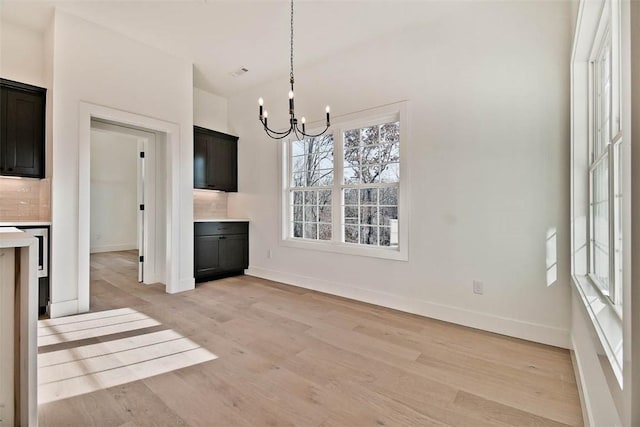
(239, 72)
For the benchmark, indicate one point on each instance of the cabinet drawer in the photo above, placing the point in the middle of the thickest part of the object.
(212, 228)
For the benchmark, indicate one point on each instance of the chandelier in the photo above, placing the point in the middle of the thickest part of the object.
(299, 131)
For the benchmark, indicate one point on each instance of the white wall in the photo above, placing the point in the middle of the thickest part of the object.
(23, 52)
(114, 191)
(25, 56)
(488, 147)
(209, 110)
(95, 65)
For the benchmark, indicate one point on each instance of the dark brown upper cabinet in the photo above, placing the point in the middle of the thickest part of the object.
(215, 160)
(22, 129)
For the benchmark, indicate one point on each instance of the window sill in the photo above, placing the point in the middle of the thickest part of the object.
(347, 249)
(606, 319)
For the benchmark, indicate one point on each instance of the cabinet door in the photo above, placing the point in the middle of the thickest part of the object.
(215, 160)
(22, 148)
(234, 252)
(207, 249)
(224, 159)
(200, 145)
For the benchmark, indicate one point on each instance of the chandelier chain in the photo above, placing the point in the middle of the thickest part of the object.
(291, 73)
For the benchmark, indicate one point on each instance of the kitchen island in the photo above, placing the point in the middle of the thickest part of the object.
(18, 328)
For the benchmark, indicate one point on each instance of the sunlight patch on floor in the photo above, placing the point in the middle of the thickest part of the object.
(73, 371)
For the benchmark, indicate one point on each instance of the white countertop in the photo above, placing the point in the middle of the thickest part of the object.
(10, 230)
(11, 237)
(23, 223)
(222, 220)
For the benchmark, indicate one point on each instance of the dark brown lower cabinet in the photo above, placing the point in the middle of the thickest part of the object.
(220, 249)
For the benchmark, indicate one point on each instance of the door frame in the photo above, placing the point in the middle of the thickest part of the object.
(87, 111)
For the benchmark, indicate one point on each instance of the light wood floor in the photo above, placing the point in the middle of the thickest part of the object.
(289, 356)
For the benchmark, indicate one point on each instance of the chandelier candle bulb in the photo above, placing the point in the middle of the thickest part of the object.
(328, 110)
(291, 102)
(303, 122)
(260, 103)
(266, 114)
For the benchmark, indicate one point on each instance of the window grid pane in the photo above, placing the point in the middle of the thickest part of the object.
(605, 235)
(311, 215)
(372, 154)
(311, 166)
(312, 162)
(370, 211)
(618, 239)
(371, 215)
(600, 253)
(603, 92)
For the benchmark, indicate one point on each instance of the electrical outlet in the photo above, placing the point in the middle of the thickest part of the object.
(478, 287)
(269, 253)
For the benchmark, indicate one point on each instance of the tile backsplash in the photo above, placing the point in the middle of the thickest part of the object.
(209, 204)
(24, 199)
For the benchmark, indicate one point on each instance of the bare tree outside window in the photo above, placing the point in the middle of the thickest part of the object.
(367, 185)
(371, 178)
(311, 180)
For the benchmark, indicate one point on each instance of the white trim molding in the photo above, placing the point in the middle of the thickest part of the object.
(474, 319)
(175, 223)
(63, 308)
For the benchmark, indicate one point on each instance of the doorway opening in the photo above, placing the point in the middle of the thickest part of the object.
(127, 196)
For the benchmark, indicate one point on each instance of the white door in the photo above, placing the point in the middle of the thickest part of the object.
(141, 206)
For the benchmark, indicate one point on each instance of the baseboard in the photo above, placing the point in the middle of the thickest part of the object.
(502, 325)
(64, 308)
(113, 248)
(184, 285)
(582, 392)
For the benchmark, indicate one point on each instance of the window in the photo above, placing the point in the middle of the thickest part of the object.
(311, 188)
(600, 171)
(605, 237)
(371, 177)
(343, 190)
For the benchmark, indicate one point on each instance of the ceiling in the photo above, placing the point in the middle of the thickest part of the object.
(220, 37)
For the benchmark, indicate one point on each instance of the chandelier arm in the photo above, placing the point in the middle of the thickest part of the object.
(278, 136)
(311, 135)
(295, 131)
(267, 128)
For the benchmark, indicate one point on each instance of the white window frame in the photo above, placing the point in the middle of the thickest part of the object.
(379, 115)
(607, 36)
(594, 19)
